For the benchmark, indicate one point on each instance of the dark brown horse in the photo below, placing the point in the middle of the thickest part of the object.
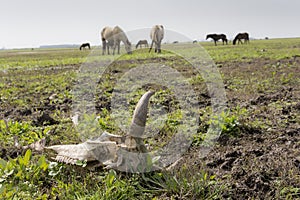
(217, 37)
(142, 42)
(241, 36)
(85, 45)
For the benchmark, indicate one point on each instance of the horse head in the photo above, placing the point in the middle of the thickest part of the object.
(128, 47)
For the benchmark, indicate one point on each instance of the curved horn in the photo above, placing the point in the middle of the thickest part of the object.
(138, 123)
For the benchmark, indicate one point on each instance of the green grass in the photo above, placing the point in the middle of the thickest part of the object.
(270, 49)
(273, 49)
(38, 58)
(41, 81)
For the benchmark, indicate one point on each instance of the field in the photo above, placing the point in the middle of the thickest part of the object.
(256, 156)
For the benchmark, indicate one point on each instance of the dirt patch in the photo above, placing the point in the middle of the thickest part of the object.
(262, 159)
(258, 162)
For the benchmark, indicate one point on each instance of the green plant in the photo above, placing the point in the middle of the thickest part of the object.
(227, 123)
(34, 82)
(184, 184)
(22, 177)
(25, 133)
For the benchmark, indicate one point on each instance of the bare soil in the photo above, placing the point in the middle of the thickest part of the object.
(254, 164)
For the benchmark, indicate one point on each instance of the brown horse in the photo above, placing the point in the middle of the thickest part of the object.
(142, 42)
(241, 36)
(85, 45)
(156, 35)
(217, 37)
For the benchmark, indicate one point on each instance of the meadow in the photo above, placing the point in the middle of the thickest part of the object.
(256, 156)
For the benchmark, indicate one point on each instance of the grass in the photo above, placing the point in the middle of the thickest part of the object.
(41, 81)
(274, 49)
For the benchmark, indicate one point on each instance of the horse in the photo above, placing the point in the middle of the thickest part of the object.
(85, 45)
(142, 42)
(217, 37)
(107, 39)
(156, 35)
(241, 36)
(195, 41)
(112, 37)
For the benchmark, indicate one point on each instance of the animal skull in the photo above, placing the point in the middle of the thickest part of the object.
(126, 153)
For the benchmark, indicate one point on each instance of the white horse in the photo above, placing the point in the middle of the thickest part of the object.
(156, 35)
(112, 37)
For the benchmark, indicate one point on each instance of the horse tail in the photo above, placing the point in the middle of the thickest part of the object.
(226, 40)
(136, 46)
(247, 37)
(234, 40)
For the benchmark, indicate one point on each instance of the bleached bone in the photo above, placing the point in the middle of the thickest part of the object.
(102, 149)
(138, 123)
(109, 149)
(72, 151)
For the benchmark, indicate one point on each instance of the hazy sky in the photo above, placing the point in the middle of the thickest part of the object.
(31, 23)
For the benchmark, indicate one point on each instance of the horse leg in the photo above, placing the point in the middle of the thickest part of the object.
(215, 42)
(158, 47)
(115, 46)
(118, 47)
(103, 49)
(103, 46)
(151, 46)
(113, 49)
(108, 50)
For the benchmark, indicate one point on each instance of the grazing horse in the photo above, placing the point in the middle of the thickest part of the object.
(241, 36)
(217, 37)
(112, 37)
(85, 45)
(142, 42)
(156, 35)
(107, 39)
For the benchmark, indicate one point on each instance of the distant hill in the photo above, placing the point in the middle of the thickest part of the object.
(59, 46)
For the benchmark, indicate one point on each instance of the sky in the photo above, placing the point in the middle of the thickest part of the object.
(32, 23)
